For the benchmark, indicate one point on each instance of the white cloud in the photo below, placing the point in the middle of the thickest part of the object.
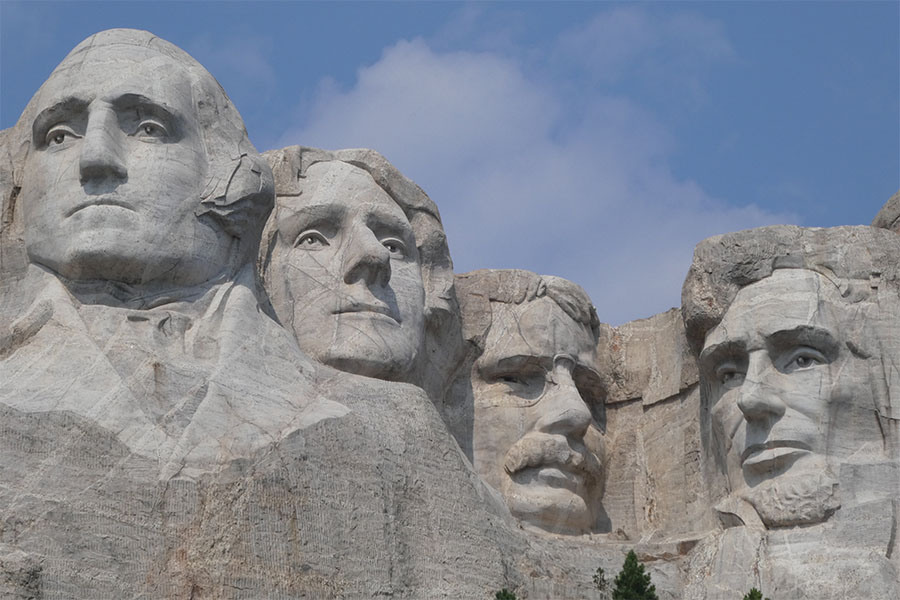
(419, 107)
(527, 177)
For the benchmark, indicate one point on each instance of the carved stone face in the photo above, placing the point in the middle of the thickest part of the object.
(788, 398)
(535, 439)
(115, 173)
(344, 274)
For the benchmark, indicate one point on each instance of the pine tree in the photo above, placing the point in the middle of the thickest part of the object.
(504, 594)
(632, 583)
(601, 583)
(754, 594)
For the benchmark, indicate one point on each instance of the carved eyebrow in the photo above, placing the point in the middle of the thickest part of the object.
(311, 212)
(53, 114)
(515, 362)
(805, 335)
(717, 352)
(131, 100)
(378, 219)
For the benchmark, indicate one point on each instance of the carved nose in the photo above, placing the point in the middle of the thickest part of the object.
(759, 398)
(563, 410)
(102, 155)
(366, 259)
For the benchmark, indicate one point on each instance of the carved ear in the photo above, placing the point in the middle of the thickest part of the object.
(474, 309)
(884, 377)
(241, 195)
(437, 269)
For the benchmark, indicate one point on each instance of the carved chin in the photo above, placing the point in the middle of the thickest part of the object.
(798, 499)
(363, 346)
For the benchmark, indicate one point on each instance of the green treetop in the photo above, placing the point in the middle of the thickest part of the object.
(631, 582)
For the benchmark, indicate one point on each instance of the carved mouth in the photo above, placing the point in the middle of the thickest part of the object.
(551, 461)
(367, 309)
(773, 451)
(100, 202)
(555, 476)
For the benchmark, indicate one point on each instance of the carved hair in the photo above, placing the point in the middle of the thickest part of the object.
(857, 260)
(515, 286)
(240, 191)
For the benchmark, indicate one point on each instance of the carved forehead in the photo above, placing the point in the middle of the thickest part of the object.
(125, 56)
(108, 74)
(127, 44)
(861, 261)
(338, 181)
(339, 185)
(538, 328)
(786, 300)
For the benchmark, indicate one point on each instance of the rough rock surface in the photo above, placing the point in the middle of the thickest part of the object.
(889, 215)
(167, 431)
(799, 342)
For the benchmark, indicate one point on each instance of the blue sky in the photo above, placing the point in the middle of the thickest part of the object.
(594, 141)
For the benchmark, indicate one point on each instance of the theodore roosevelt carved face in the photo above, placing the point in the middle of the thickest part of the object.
(786, 388)
(537, 409)
(344, 273)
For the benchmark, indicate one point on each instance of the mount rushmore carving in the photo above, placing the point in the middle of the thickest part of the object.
(233, 375)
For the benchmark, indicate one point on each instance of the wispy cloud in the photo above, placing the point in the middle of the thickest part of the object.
(242, 64)
(669, 53)
(527, 175)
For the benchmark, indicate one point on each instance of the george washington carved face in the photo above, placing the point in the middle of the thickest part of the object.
(116, 170)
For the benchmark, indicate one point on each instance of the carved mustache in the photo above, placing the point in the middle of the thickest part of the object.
(541, 450)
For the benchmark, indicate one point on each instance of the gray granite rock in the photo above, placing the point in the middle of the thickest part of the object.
(889, 215)
(186, 412)
(798, 338)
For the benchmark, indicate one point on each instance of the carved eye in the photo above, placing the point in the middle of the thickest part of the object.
(151, 129)
(802, 358)
(59, 134)
(394, 246)
(311, 240)
(521, 380)
(729, 375)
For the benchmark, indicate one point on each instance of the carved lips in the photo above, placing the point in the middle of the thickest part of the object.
(103, 201)
(773, 453)
(350, 307)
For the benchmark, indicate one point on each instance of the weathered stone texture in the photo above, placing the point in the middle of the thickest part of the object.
(333, 414)
(889, 215)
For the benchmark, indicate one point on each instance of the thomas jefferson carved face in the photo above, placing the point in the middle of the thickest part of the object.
(115, 173)
(789, 397)
(344, 274)
(535, 439)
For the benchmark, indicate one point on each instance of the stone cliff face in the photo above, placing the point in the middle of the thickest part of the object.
(259, 377)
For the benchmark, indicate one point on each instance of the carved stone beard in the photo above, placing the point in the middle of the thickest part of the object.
(801, 499)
